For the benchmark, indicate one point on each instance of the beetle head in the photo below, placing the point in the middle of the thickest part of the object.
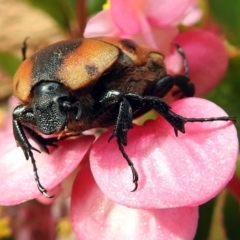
(49, 105)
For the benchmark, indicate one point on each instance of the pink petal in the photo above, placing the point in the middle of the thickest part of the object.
(164, 37)
(158, 38)
(101, 25)
(16, 174)
(193, 15)
(207, 58)
(95, 216)
(127, 14)
(187, 170)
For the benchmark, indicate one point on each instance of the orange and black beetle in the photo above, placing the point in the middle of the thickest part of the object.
(75, 85)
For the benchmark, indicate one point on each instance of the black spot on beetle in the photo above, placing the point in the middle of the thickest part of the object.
(129, 44)
(48, 61)
(92, 70)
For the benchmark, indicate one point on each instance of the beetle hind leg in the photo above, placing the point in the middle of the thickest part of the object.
(164, 85)
(177, 121)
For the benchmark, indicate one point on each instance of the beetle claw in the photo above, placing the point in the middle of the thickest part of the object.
(135, 187)
(44, 192)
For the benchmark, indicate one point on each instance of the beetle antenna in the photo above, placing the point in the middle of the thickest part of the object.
(184, 58)
(24, 48)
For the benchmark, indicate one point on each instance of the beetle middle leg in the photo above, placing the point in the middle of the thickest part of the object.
(123, 124)
(125, 116)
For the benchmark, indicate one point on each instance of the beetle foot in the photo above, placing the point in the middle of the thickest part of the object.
(134, 171)
(42, 190)
(39, 185)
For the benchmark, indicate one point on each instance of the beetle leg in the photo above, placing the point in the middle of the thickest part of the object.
(165, 84)
(22, 141)
(69, 106)
(24, 48)
(185, 86)
(41, 141)
(184, 58)
(174, 119)
(123, 124)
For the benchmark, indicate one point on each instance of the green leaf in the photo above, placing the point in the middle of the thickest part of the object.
(227, 13)
(205, 218)
(94, 6)
(231, 218)
(226, 94)
(238, 167)
(9, 63)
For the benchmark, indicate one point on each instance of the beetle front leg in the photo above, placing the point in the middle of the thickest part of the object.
(22, 141)
(123, 124)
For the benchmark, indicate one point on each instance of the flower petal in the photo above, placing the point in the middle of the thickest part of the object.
(187, 170)
(207, 58)
(193, 15)
(167, 12)
(16, 174)
(127, 14)
(95, 216)
(101, 25)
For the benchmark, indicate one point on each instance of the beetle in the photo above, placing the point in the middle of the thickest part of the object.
(75, 85)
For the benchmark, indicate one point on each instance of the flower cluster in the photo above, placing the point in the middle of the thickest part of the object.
(176, 173)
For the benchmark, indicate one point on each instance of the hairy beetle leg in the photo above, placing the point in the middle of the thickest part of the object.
(123, 124)
(210, 119)
(130, 164)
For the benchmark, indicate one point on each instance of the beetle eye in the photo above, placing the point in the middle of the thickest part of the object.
(50, 87)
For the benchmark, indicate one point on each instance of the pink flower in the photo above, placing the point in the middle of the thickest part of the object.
(95, 216)
(142, 19)
(176, 174)
(154, 23)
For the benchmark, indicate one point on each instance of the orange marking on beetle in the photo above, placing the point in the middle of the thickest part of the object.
(138, 53)
(75, 71)
(22, 81)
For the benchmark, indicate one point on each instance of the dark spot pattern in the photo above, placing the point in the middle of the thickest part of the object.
(47, 62)
(129, 44)
(92, 70)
